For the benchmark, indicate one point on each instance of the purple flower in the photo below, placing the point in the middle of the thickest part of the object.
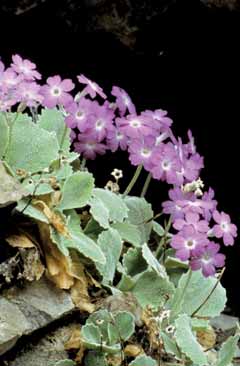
(25, 67)
(91, 88)
(208, 197)
(56, 92)
(166, 163)
(224, 229)
(100, 121)
(135, 127)
(123, 101)
(89, 147)
(191, 145)
(116, 139)
(9, 79)
(196, 205)
(78, 114)
(193, 219)
(189, 243)
(209, 260)
(160, 118)
(28, 93)
(142, 151)
(171, 207)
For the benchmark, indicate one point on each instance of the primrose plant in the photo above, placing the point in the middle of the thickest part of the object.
(160, 281)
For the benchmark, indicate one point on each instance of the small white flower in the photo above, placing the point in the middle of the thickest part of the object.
(117, 174)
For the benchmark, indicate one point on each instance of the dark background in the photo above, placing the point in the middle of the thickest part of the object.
(177, 55)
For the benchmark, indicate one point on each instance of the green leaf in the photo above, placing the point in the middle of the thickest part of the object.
(133, 262)
(153, 262)
(199, 324)
(227, 351)
(4, 128)
(122, 327)
(76, 191)
(158, 229)
(126, 283)
(52, 120)
(143, 360)
(197, 292)
(82, 243)
(95, 358)
(115, 205)
(187, 341)
(170, 345)
(111, 245)
(128, 232)
(140, 212)
(10, 189)
(91, 336)
(151, 289)
(99, 212)
(31, 148)
(31, 211)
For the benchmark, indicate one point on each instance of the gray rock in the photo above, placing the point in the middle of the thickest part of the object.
(22, 311)
(224, 322)
(46, 352)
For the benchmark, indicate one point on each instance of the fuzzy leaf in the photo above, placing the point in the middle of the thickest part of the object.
(52, 120)
(31, 148)
(118, 211)
(99, 212)
(133, 262)
(151, 289)
(128, 232)
(76, 191)
(187, 341)
(122, 328)
(170, 345)
(153, 262)
(197, 292)
(95, 358)
(26, 207)
(4, 128)
(143, 360)
(140, 212)
(91, 336)
(111, 245)
(227, 351)
(158, 229)
(10, 189)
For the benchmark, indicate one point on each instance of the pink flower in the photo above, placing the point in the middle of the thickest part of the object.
(25, 67)
(100, 122)
(10, 79)
(135, 127)
(56, 92)
(224, 229)
(79, 114)
(166, 163)
(189, 243)
(141, 152)
(209, 260)
(193, 219)
(92, 88)
(28, 92)
(159, 118)
(123, 101)
(116, 139)
(172, 206)
(89, 147)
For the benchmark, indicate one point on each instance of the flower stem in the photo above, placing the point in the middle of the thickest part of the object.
(179, 300)
(83, 163)
(210, 294)
(146, 185)
(133, 181)
(10, 124)
(63, 136)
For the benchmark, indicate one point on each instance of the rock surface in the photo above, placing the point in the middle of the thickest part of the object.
(22, 311)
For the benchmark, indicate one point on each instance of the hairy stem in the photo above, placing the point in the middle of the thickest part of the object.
(146, 185)
(133, 181)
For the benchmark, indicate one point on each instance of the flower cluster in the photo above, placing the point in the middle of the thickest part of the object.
(197, 222)
(98, 125)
